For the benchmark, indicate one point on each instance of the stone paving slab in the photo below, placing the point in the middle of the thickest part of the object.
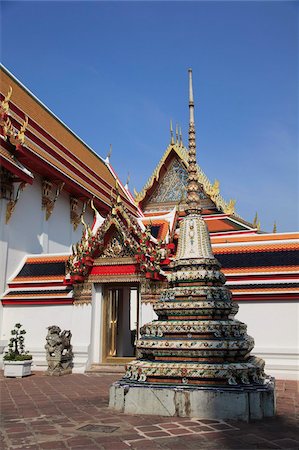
(71, 412)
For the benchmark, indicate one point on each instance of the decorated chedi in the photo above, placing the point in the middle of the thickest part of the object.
(195, 359)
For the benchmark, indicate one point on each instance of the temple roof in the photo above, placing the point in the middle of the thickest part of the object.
(50, 149)
(258, 267)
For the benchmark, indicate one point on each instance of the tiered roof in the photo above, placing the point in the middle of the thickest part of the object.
(260, 266)
(50, 149)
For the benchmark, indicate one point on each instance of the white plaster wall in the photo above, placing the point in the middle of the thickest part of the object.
(28, 232)
(36, 319)
(21, 233)
(274, 327)
(61, 234)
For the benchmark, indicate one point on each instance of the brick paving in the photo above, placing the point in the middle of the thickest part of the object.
(71, 412)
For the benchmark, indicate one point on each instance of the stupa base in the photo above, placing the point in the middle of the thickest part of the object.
(234, 402)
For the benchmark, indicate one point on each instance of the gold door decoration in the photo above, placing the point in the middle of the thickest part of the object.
(112, 313)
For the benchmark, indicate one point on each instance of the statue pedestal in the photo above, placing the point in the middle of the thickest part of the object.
(59, 365)
(234, 402)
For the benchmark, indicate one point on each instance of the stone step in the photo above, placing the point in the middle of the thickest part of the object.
(106, 368)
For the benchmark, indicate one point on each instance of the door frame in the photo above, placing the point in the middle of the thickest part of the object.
(106, 286)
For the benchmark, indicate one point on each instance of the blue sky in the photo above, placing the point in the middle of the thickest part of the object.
(116, 72)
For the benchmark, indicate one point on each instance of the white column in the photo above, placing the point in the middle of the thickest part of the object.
(4, 236)
(96, 338)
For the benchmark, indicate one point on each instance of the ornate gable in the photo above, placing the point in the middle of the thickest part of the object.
(166, 187)
(117, 246)
(173, 184)
(169, 188)
(119, 241)
(172, 187)
(118, 236)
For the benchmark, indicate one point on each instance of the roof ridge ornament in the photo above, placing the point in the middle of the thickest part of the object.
(107, 159)
(171, 134)
(127, 182)
(181, 138)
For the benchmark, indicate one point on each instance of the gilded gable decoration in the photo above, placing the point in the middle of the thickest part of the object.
(116, 237)
(173, 184)
(207, 188)
(48, 199)
(120, 237)
(116, 247)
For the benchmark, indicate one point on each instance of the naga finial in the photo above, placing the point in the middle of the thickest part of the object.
(21, 133)
(5, 101)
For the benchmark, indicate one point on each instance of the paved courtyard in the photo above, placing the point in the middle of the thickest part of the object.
(71, 412)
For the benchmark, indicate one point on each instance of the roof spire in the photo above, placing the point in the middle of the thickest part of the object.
(181, 137)
(127, 182)
(171, 133)
(193, 199)
(176, 133)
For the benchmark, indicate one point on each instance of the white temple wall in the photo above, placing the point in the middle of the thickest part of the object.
(28, 232)
(274, 327)
(36, 319)
(21, 233)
